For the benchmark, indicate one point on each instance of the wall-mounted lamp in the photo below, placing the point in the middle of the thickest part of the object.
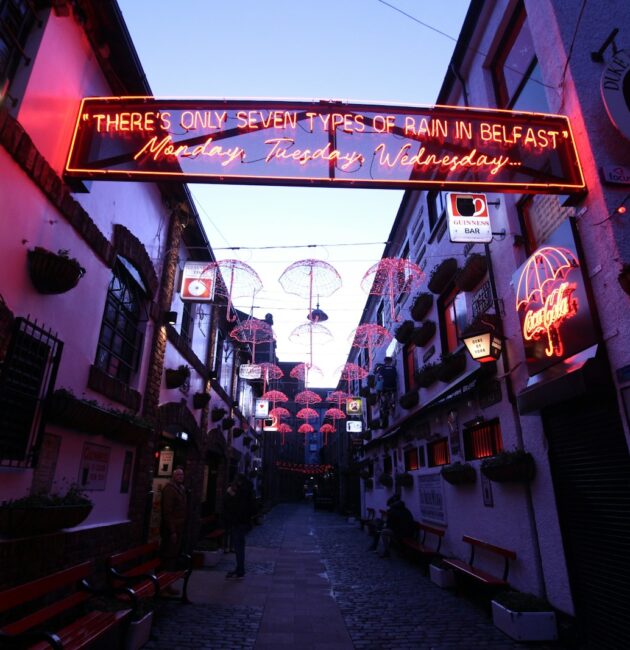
(169, 317)
(483, 342)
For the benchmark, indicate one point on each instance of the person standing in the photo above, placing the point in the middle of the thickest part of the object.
(399, 525)
(173, 521)
(239, 508)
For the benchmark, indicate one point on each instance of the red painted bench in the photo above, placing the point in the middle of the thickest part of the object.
(418, 545)
(30, 610)
(468, 569)
(140, 568)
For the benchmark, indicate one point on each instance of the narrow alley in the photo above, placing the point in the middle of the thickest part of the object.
(311, 583)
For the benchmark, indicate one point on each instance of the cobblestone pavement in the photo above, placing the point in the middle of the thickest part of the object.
(385, 603)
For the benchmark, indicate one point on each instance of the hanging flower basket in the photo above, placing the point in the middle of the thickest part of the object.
(451, 366)
(386, 480)
(473, 271)
(237, 432)
(459, 473)
(176, 377)
(217, 413)
(53, 273)
(200, 400)
(247, 441)
(624, 278)
(404, 480)
(404, 331)
(442, 274)
(409, 400)
(254, 448)
(421, 306)
(427, 375)
(228, 423)
(510, 466)
(424, 333)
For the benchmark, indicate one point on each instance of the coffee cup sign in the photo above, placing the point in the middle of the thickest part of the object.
(468, 218)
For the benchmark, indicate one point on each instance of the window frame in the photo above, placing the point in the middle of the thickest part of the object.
(493, 439)
(444, 304)
(441, 444)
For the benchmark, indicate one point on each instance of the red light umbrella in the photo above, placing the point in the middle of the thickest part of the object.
(253, 331)
(307, 414)
(302, 371)
(338, 397)
(392, 277)
(352, 372)
(335, 414)
(305, 428)
(307, 333)
(307, 397)
(237, 280)
(370, 336)
(326, 429)
(269, 371)
(279, 412)
(284, 429)
(274, 396)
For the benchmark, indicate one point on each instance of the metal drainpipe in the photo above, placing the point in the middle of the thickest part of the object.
(540, 580)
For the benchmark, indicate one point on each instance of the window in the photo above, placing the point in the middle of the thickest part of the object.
(540, 216)
(515, 70)
(16, 19)
(453, 320)
(436, 204)
(483, 440)
(380, 320)
(120, 340)
(438, 453)
(217, 354)
(188, 321)
(411, 460)
(409, 359)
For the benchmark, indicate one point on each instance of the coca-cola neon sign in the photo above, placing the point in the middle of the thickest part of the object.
(552, 302)
(323, 143)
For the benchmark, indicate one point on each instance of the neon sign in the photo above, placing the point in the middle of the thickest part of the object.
(323, 143)
(552, 302)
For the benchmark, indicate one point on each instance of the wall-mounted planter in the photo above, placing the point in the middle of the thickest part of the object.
(247, 440)
(409, 400)
(53, 273)
(386, 480)
(421, 306)
(525, 626)
(228, 423)
(473, 271)
(510, 467)
(200, 400)
(27, 521)
(427, 375)
(217, 413)
(237, 432)
(424, 333)
(442, 274)
(459, 473)
(404, 332)
(176, 377)
(254, 448)
(451, 366)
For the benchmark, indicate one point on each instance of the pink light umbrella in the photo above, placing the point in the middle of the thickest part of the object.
(269, 371)
(326, 429)
(307, 397)
(302, 371)
(307, 414)
(274, 396)
(237, 280)
(352, 372)
(335, 414)
(279, 412)
(253, 331)
(284, 429)
(306, 428)
(370, 336)
(392, 276)
(308, 333)
(338, 397)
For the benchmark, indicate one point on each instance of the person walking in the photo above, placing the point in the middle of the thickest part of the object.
(239, 508)
(173, 522)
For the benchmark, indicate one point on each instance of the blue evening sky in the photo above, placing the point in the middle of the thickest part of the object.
(357, 50)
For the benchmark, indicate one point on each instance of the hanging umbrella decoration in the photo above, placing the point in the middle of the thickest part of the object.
(305, 429)
(350, 372)
(302, 371)
(543, 283)
(326, 429)
(392, 277)
(279, 412)
(370, 336)
(238, 280)
(307, 413)
(253, 331)
(338, 397)
(307, 397)
(308, 334)
(284, 428)
(308, 278)
(269, 371)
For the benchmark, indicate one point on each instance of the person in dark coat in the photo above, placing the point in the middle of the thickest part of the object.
(239, 509)
(173, 521)
(398, 526)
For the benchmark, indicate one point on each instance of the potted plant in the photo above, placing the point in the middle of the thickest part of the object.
(409, 399)
(471, 274)
(624, 278)
(404, 480)
(424, 333)
(200, 400)
(427, 375)
(237, 432)
(228, 423)
(442, 274)
(458, 473)
(509, 466)
(44, 512)
(247, 441)
(386, 480)
(450, 366)
(176, 377)
(524, 617)
(421, 305)
(53, 273)
(139, 630)
(217, 413)
(441, 574)
(404, 331)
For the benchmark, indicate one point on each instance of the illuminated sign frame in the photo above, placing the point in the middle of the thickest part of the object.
(324, 143)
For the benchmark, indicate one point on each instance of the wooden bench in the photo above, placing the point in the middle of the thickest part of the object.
(370, 513)
(140, 568)
(468, 569)
(212, 530)
(32, 608)
(418, 546)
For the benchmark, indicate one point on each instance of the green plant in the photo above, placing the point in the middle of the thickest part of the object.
(458, 473)
(509, 465)
(73, 496)
(519, 601)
